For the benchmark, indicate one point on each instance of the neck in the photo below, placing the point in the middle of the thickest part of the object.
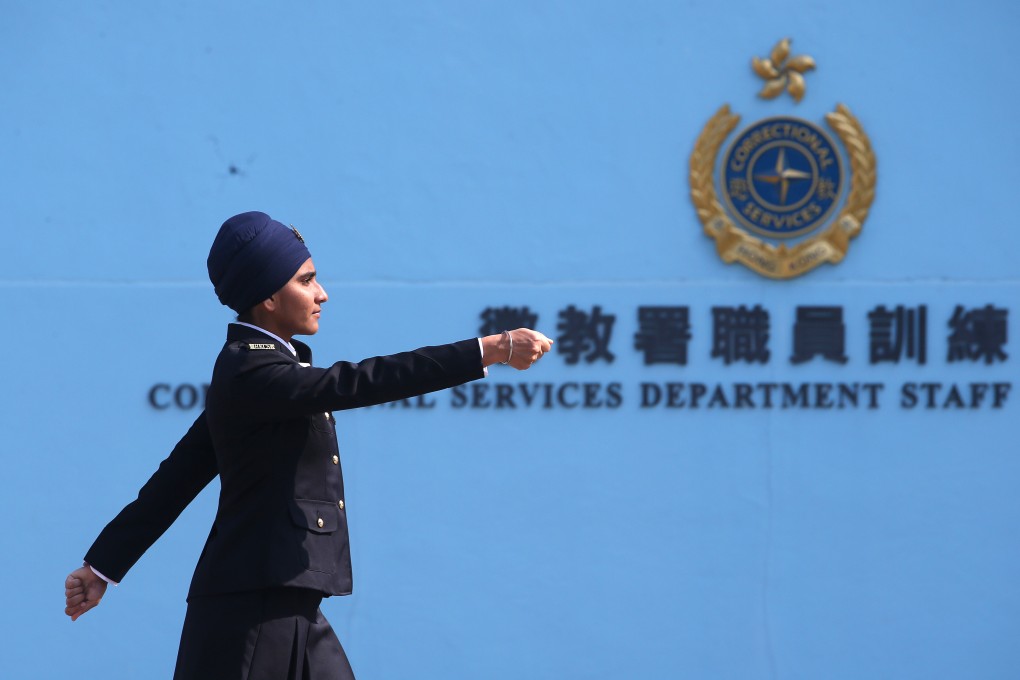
(268, 325)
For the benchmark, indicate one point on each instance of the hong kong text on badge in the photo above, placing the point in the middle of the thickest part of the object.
(783, 197)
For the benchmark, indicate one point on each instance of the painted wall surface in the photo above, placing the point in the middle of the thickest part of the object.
(446, 157)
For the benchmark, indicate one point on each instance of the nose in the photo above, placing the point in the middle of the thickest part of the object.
(321, 297)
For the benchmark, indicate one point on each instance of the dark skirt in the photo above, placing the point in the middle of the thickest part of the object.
(275, 634)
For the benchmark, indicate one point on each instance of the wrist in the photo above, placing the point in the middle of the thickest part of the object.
(495, 349)
(509, 339)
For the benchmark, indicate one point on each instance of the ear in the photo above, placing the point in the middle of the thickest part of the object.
(258, 312)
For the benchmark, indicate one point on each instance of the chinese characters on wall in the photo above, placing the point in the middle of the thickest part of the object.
(743, 334)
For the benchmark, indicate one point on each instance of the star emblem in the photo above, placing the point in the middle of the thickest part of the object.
(783, 175)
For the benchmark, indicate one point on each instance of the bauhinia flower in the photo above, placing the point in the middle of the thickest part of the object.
(781, 70)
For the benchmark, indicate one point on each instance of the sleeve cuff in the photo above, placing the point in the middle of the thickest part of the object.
(481, 352)
(100, 575)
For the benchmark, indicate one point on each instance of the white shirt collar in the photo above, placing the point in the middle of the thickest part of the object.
(274, 336)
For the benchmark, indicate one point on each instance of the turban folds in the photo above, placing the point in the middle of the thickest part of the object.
(252, 257)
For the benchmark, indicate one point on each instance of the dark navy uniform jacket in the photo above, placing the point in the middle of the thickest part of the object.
(268, 432)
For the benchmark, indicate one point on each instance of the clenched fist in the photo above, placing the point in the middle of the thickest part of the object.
(522, 347)
(82, 591)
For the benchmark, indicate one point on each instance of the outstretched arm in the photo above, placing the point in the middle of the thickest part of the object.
(185, 472)
(270, 386)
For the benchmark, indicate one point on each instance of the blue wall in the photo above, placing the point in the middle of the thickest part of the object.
(445, 157)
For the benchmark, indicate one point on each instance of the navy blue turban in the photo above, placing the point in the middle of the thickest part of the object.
(252, 257)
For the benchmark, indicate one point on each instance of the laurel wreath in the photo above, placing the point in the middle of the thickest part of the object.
(863, 166)
(780, 262)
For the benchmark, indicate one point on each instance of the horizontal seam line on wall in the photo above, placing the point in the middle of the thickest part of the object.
(489, 283)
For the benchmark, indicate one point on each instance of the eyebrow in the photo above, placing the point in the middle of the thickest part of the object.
(307, 275)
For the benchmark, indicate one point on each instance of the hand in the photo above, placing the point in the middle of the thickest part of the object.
(528, 347)
(83, 590)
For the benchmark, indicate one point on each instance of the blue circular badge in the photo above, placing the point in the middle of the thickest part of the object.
(782, 177)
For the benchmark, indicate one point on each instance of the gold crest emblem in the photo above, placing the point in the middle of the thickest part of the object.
(787, 205)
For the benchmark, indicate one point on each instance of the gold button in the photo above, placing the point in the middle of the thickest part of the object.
(340, 504)
(320, 522)
(336, 460)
